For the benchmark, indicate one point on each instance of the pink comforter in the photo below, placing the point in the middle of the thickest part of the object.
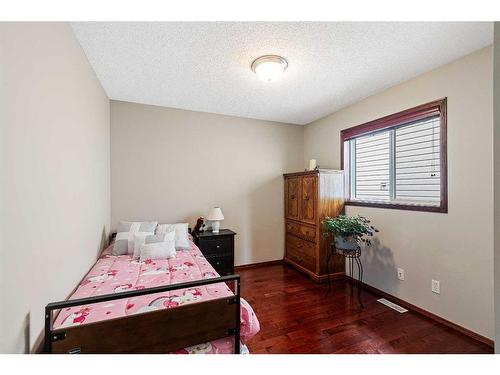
(113, 274)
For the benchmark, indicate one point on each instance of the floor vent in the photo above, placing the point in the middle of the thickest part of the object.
(392, 305)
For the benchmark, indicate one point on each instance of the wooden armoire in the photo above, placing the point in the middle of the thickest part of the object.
(309, 197)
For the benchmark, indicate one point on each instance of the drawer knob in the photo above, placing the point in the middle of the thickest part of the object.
(218, 246)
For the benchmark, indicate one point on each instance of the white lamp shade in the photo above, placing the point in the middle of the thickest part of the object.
(215, 214)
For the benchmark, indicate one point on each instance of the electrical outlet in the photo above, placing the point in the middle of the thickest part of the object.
(436, 287)
(401, 274)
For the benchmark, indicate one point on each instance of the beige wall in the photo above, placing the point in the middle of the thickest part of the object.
(496, 112)
(173, 165)
(455, 248)
(54, 161)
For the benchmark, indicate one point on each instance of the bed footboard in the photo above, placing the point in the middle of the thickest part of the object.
(159, 331)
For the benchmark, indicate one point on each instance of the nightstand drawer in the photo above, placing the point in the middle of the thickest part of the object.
(223, 245)
(224, 265)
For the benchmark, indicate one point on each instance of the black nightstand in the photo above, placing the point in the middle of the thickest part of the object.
(218, 248)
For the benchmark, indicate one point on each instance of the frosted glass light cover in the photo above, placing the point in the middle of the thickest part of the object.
(269, 68)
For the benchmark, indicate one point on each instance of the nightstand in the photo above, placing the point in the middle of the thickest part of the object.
(218, 248)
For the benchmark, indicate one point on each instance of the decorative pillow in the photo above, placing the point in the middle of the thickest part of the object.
(158, 249)
(141, 239)
(181, 234)
(124, 241)
(120, 246)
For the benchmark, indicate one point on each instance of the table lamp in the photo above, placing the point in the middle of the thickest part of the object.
(215, 215)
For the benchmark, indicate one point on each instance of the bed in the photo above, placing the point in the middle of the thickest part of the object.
(179, 305)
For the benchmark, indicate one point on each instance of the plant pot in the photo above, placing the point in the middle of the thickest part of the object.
(346, 243)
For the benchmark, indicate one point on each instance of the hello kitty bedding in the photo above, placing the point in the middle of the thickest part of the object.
(113, 274)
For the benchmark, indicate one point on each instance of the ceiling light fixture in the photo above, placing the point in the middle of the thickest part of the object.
(270, 67)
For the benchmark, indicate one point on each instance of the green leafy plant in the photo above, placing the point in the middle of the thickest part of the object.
(357, 227)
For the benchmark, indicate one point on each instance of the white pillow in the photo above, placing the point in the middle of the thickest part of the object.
(139, 240)
(181, 234)
(120, 245)
(124, 241)
(159, 250)
(142, 238)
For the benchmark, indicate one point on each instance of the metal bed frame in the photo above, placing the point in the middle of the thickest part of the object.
(149, 332)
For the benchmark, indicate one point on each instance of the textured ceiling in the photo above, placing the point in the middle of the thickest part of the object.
(205, 66)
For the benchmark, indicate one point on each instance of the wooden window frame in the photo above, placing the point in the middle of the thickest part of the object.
(421, 112)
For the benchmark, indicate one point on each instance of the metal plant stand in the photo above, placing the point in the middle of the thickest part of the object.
(351, 256)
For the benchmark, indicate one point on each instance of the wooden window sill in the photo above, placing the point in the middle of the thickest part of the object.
(397, 206)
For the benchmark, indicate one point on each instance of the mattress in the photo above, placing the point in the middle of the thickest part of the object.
(114, 274)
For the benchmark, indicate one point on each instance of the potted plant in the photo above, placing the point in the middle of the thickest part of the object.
(349, 232)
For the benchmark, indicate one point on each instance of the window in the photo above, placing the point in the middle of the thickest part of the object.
(398, 161)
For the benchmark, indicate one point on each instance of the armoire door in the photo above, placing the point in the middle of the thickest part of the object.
(292, 191)
(308, 200)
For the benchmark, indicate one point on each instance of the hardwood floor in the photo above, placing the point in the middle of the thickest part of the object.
(297, 316)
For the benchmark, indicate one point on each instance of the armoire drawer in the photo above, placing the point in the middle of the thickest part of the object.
(302, 231)
(306, 247)
(301, 258)
(301, 252)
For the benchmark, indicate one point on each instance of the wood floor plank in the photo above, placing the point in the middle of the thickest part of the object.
(298, 316)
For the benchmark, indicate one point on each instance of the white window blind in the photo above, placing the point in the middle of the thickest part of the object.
(372, 159)
(418, 162)
(397, 165)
